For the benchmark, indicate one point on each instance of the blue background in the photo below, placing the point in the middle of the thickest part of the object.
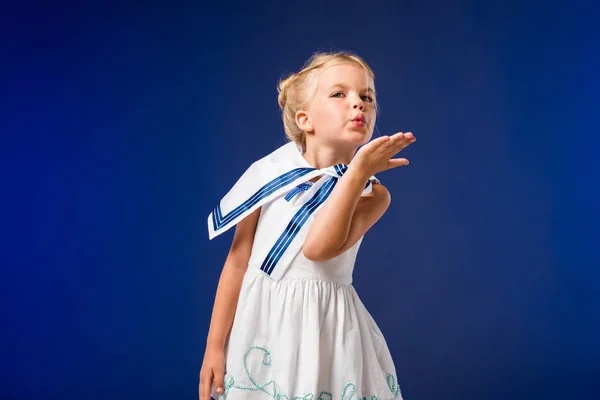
(122, 125)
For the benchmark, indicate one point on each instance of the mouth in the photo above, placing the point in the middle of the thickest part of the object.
(359, 120)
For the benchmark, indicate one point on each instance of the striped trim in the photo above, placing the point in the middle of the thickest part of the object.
(340, 169)
(300, 188)
(219, 220)
(295, 224)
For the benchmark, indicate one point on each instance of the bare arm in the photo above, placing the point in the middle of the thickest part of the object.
(345, 217)
(230, 282)
(228, 293)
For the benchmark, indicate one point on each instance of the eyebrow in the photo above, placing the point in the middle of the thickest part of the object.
(342, 86)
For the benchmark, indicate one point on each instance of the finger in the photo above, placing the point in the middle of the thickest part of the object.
(383, 146)
(378, 147)
(219, 382)
(410, 136)
(407, 137)
(398, 135)
(401, 142)
(375, 143)
(397, 162)
(380, 141)
(205, 386)
(401, 138)
(396, 146)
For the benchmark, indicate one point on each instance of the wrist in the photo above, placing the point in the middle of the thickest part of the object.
(215, 343)
(358, 173)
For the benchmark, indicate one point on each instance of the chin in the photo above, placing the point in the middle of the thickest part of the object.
(358, 138)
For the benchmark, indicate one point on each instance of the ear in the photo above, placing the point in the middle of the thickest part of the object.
(303, 121)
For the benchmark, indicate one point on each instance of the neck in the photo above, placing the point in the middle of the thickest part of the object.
(323, 156)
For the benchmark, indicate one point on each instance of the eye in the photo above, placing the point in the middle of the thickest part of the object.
(367, 98)
(337, 94)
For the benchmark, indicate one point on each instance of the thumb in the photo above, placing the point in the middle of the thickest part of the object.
(397, 162)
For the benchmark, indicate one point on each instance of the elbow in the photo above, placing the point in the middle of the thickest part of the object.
(317, 253)
(312, 255)
(316, 256)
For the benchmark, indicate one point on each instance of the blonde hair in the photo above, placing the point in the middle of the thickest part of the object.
(298, 89)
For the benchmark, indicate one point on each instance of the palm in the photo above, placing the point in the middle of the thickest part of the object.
(376, 156)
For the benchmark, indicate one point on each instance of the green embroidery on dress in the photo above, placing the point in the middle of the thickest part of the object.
(352, 389)
(394, 387)
(270, 387)
(349, 395)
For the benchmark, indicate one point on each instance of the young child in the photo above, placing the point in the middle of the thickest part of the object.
(287, 322)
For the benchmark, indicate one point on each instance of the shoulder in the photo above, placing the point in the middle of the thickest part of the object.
(243, 240)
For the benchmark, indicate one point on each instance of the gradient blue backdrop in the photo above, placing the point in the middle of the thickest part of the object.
(122, 125)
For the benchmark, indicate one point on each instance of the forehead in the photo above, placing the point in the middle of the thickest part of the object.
(346, 74)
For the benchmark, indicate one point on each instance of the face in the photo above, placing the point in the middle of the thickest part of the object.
(342, 112)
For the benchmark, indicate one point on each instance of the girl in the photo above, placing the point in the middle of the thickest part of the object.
(287, 322)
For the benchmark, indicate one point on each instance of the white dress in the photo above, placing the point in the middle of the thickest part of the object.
(306, 335)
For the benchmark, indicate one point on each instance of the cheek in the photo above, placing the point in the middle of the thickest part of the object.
(341, 110)
(330, 112)
(370, 113)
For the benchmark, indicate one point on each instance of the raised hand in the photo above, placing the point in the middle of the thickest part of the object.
(376, 156)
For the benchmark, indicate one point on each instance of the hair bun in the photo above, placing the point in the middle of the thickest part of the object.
(283, 88)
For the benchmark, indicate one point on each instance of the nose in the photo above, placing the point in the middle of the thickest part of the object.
(358, 104)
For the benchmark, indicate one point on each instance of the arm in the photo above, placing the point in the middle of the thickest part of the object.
(228, 293)
(345, 217)
(228, 289)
